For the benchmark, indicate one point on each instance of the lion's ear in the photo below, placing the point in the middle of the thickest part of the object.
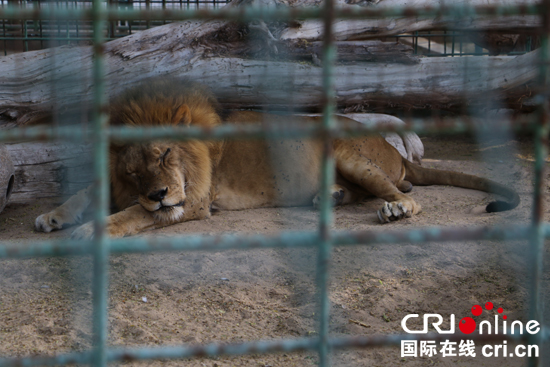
(182, 115)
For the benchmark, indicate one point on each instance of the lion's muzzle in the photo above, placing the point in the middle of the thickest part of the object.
(169, 207)
(169, 213)
(158, 195)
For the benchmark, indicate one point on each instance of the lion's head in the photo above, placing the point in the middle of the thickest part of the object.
(163, 175)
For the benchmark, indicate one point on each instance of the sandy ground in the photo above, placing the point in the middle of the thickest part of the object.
(235, 296)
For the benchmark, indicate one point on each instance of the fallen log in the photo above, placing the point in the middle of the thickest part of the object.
(27, 93)
(312, 30)
(49, 169)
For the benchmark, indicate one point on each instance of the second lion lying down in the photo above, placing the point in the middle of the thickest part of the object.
(159, 183)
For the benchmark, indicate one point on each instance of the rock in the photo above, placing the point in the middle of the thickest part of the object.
(7, 176)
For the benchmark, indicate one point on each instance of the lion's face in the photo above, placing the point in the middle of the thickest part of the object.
(154, 172)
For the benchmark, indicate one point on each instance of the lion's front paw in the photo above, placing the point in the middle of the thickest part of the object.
(397, 210)
(84, 232)
(48, 222)
(87, 231)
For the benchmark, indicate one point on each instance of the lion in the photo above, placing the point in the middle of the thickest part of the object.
(164, 182)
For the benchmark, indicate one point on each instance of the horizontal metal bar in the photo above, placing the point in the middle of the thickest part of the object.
(279, 131)
(286, 240)
(61, 359)
(252, 13)
(258, 347)
(54, 38)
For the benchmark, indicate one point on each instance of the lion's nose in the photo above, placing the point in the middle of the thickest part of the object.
(158, 195)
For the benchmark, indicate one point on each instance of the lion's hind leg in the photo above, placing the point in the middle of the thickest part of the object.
(340, 195)
(405, 186)
(364, 172)
(68, 213)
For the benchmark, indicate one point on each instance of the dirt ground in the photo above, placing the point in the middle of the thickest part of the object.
(236, 296)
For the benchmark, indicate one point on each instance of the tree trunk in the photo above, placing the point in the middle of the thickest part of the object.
(49, 169)
(312, 30)
(240, 83)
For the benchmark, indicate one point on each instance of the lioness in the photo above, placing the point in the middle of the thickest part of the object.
(164, 182)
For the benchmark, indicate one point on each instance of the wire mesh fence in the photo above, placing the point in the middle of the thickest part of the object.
(322, 238)
(24, 35)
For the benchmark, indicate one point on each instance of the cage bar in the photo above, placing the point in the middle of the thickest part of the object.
(100, 193)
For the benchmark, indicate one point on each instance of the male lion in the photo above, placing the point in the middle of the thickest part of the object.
(164, 182)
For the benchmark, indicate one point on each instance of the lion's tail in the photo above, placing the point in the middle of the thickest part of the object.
(418, 175)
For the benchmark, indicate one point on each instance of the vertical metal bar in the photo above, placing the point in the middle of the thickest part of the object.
(68, 26)
(76, 22)
(131, 7)
(537, 236)
(5, 36)
(25, 36)
(112, 24)
(37, 3)
(101, 250)
(58, 22)
(541, 152)
(148, 7)
(327, 180)
(453, 44)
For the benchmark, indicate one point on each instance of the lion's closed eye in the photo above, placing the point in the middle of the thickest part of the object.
(133, 175)
(164, 155)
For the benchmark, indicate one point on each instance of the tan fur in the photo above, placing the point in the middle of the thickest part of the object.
(164, 182)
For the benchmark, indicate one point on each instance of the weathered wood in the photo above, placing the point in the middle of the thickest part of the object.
(352, 51)
(26, 89)
(499, 43)
(49, 169)
(7, 175)
(312, 30)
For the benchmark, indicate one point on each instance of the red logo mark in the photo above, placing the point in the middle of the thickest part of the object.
(468, 325)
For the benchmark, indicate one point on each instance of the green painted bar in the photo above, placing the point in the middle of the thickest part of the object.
(327, 180)
(101, 200)
(541, 153)
(281, 131)
(258, 347)
(254, 13)
(284, 240)
(61, 359)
